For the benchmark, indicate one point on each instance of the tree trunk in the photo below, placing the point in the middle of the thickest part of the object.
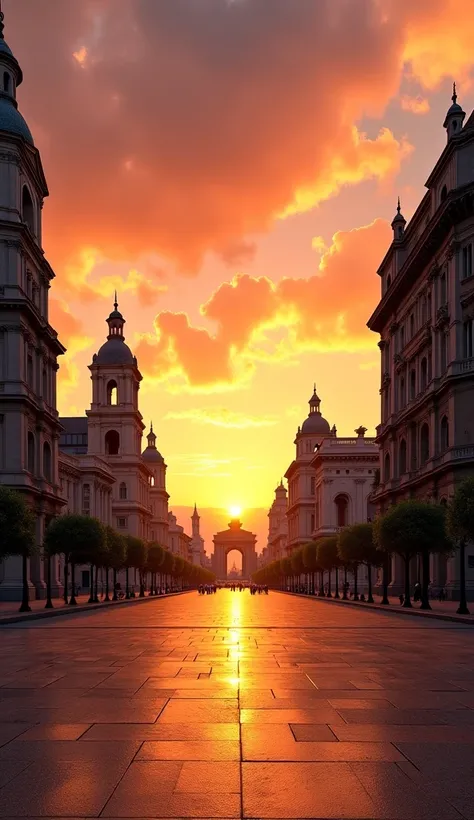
(96, 596)
(462, 608)
(344, 591)
(370, 597)
(49, 603)
(114, 581)
(321, 583)
(127, 588)
(66, 579)
(107, 596)
(407, 601)
(355, 572)
(425, 601)
(336, 594)
(25, 601)
(91, 585)
(385, 567)
(73, 601)
(329, 583)
(142, 585)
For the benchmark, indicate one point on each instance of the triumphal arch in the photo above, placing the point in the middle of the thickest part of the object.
(234, 538)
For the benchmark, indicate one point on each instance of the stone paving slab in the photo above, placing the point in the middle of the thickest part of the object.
(233, 706)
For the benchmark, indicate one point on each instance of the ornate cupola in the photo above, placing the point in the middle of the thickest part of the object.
(11, 77)
(115, 351)
(151, 453)
(398, 224)
(315, 423)
(455, 117)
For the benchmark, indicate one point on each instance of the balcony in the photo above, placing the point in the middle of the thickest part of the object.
(463, 366)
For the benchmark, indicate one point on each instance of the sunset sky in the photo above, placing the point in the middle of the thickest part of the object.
(232, 168)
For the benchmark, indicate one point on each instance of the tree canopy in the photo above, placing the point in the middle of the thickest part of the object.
(412, 527)
(17, 524)
(81, 538)
(460, 512)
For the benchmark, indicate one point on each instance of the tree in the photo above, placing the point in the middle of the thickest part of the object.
(355, 546)
(460, 523)
(155, 558)
(411, 528)
(135, 557)
(328, 558)
(17, 534)
(81, 538)
(297, 565)
(116, 548)
(310, 560)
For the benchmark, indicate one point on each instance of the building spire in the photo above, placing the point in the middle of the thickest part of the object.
(454, 97)
(399, 207)
(115, 300)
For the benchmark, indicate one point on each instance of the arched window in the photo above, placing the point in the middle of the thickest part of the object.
(31, 453)
(386, 468)
(152, 481)
(6, 82)
(412, 384)
(424, 373)
(123, 491)
(444, 193)
(27, 209)
(47, 461)
(112, 392)
(413, 447)
(424, 443)
(112, 443)
(86, 499)
(342, 508)
(444, 433)
(402, 457)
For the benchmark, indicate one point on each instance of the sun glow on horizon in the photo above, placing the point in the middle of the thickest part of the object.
(235, 511)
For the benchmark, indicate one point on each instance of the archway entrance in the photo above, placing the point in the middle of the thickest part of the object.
(232, 540)
(234, 561)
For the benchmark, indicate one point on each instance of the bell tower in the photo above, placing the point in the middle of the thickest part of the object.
(29, 347)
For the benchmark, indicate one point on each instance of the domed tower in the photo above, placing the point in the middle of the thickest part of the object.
(301, 475)
(158, 496)
(197, 542)
(455, 117)
(277, 524)
(115, 427)
(398, 224)
(29, 424)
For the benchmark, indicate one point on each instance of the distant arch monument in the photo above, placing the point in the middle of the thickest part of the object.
(234, 538)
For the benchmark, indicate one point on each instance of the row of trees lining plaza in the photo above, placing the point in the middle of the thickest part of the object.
(408, 529)
(83, 540)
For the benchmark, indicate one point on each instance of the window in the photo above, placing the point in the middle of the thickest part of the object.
(424, 443)
(121, 523)
(31, 453)
(6, 82)
(424, 373)
(389, 281)
(112, 443)
(313, 485)
(444, 193)
(402, 457)
(112, 393)
(402, 338)
(412, 384)
(402, 393)
(342, 505)
(312, 523)
(466, 269)
(468, 338)
(29, 371)
(386, 468)
(47, 461)
(412, 326)
(27, 209)
(123, 491)
(45, 384)
(444, 433)
(413, 447)
(86, 499)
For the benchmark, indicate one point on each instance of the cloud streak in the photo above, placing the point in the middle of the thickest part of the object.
(222, 417)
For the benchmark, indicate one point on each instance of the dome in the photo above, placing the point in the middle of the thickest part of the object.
(114, 351)
(152, 454)
(12, 121)
(315, 424)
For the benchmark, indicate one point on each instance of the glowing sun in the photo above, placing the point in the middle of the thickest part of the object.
(235, 511)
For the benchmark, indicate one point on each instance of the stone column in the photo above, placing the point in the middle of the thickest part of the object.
(11, 588)
(397, 584)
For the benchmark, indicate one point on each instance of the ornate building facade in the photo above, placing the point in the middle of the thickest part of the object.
(277, 527)
(29, 346)
(425, 319)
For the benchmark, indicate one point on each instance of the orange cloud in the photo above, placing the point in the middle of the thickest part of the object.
(257, 319)
(415, 105)
(196, 125)
(222, 417)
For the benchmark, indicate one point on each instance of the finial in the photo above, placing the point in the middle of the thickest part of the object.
(2, 17)
(315, 387)
(116, 301)
(398, 206)
(455, 96)
(151, 427)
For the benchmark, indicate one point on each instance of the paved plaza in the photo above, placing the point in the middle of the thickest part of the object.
(237, 706)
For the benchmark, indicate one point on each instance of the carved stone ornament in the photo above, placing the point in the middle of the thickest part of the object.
(399, 362)
(394, 327)
(434, 272)
(382, 344)
(386, 379)
(442, 316)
